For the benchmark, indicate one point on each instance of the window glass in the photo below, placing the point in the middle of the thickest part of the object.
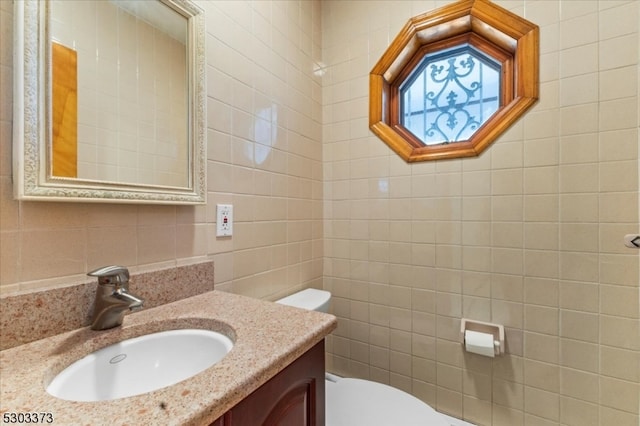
(450, 95)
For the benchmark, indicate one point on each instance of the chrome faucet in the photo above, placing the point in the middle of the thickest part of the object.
(113, 299)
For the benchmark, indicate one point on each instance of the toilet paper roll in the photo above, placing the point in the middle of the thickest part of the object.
(479, 343)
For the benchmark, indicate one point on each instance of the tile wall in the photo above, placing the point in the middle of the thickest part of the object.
(264, 157)
(528, 235)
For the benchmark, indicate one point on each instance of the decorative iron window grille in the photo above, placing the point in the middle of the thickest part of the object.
(450, 95)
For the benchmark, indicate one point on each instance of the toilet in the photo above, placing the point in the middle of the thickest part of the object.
(357, 402)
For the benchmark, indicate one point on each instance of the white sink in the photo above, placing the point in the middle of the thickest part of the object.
(139, 365)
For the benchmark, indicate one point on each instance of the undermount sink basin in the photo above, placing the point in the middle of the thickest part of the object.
(140, 365)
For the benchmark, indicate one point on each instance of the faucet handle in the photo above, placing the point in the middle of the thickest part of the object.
(118, 275)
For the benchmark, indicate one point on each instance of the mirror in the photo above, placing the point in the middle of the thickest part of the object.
(109, 101)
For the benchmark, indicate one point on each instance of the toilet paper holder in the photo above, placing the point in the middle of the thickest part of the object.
(484, 327)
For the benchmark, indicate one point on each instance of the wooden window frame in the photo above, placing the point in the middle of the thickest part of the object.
(498, 33)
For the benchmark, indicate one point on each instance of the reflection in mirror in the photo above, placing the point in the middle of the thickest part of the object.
(123, 63)
(123, 87)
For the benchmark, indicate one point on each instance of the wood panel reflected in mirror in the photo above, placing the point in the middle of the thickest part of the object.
(64, 107)
(123, 114)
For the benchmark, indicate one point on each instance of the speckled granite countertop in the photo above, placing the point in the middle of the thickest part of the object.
(267, 336)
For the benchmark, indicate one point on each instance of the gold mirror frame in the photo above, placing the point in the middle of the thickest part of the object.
(492, 25)
(32, 175)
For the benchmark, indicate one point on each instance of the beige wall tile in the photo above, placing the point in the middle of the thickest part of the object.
(618, 144)
(476, 410)
(579, 296)
(625, 21)
(541, 124)
(478, 308)
(541, 403)
(507, 261)
(43, 254)
(579, 384)
(507, 208)
(579, 60)
(579, 326)
(424, 369)
(541, 152)
(449, 377)
(581, 148)
(9, 260)
(578, 119)
(424, 391)
(619, 176)
(541, 319)
(618, 113)
(580, 89)
(423, 346)
(617, 332)
(619, 300)
(477, 385)
(541, 263)
(508, 394)
(579, 178)
(579, 237)
(541, 291)
(476, 284)
(620, 363)
(541, 236)
(611, 48)
(611, 416)
(10, 215)
(575, 412)
(506, 155)
(514, 339)
(506, 234)
(618, 207)
(508, 368)
(579, 266)
(541, 347)
(100, 254)
(619, 394)
(507, 287)
(506, 182)
(614, 84)
(542, 375)
(580, 355)
(503, 416)
(449, 402)
(540, 208)
(610, 238)
(476, 183)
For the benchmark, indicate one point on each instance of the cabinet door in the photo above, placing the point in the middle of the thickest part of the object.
(294, 397)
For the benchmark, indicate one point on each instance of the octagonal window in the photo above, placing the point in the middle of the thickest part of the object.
(449, 95)
(453, 80)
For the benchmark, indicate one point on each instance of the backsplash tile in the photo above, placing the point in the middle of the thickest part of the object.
(30, 316)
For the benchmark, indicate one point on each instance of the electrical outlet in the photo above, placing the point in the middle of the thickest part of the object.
(224, 220)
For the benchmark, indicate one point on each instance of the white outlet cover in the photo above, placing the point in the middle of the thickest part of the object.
(224, 220)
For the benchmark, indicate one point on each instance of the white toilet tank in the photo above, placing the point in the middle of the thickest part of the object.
(311, 299)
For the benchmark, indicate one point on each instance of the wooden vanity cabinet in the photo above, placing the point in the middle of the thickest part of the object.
(293, 397)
